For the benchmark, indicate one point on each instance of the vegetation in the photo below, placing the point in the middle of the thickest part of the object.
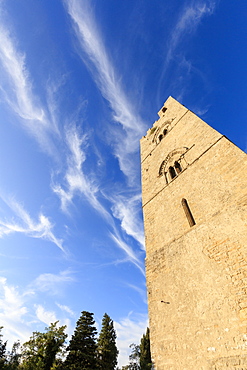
(48, 351)
(43, 349)
(152, 130)
(106, 346)
(140, 356)
(82, 346)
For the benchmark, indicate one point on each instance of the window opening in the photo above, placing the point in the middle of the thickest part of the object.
(178, 167)
(188, 213)
(165, 132)
(172, 172)
(164, 109)
(160, 137)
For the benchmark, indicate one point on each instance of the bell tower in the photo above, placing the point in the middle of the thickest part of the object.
(194, 190)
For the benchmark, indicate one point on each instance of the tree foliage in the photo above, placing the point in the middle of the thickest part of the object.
(41, 350)
(13, 358)
(134, 357)
(140, 356)
(107, 351)
(3, 355)
(46, 351)
(145, 352)
(82, 346)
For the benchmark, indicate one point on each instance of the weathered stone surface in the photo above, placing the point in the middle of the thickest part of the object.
(196, 276)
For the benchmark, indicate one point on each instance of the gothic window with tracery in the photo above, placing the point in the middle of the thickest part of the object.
(174, 164)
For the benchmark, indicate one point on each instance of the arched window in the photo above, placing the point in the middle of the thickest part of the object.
(178, 167)
(172, 172)
(160, 137)
(165, 132)
(187, 212)
(173, 164)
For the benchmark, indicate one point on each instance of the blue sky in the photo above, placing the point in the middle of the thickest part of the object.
(80, 83)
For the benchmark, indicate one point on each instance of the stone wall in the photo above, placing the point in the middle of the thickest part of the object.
(196, 276)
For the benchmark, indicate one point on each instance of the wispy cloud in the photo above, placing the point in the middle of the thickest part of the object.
(52, 283)
(12, 311)
(75, 180)
(45, 316)
(26, 225)
(188, 20)
(18, 314)
(13, 63)
(129, 330)
(141, 291)
(66, 309)
(103, 72)
(77, 183)
(130, 253)
(17, 90)
(127, 210)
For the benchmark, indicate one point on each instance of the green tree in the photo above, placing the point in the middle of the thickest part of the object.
(41, 351)
(106, 346)
(82, 346)
(140, 356)
(134, 357)
(14, 357)
(3, 354)
(145, 352)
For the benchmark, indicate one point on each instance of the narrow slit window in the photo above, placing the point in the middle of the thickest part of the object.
(160, 137)
(178, 167)
(165, 132)
(172, 172)
(188, 213)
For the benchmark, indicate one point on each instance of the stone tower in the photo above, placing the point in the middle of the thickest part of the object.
(195, 215)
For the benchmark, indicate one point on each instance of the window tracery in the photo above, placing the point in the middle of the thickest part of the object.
(173, 164)
(161, 132)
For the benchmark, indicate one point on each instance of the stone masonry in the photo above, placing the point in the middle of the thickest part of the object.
(194, 191)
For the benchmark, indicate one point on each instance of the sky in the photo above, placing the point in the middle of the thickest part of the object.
(80, 83)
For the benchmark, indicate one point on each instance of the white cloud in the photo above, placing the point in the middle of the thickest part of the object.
(12, 312)
(141, 291)
(25, 225)
(131, 255)
(47, 317)
(127, 210)
(76, 182)
(188, 20)
(103, 72)
(66, 309)
(129, 330)
(13, 62)
(19, 317)
(52, 283)
(17, 90)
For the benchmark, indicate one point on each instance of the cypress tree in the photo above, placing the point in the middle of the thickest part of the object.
(82, 346)
(107, 349)
(145, 352)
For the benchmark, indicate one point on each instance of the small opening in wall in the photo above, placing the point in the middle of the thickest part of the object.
(160, 137)
(164, 109)
(187, 212)
(165, 132)
(178, 167)
(172, 172)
